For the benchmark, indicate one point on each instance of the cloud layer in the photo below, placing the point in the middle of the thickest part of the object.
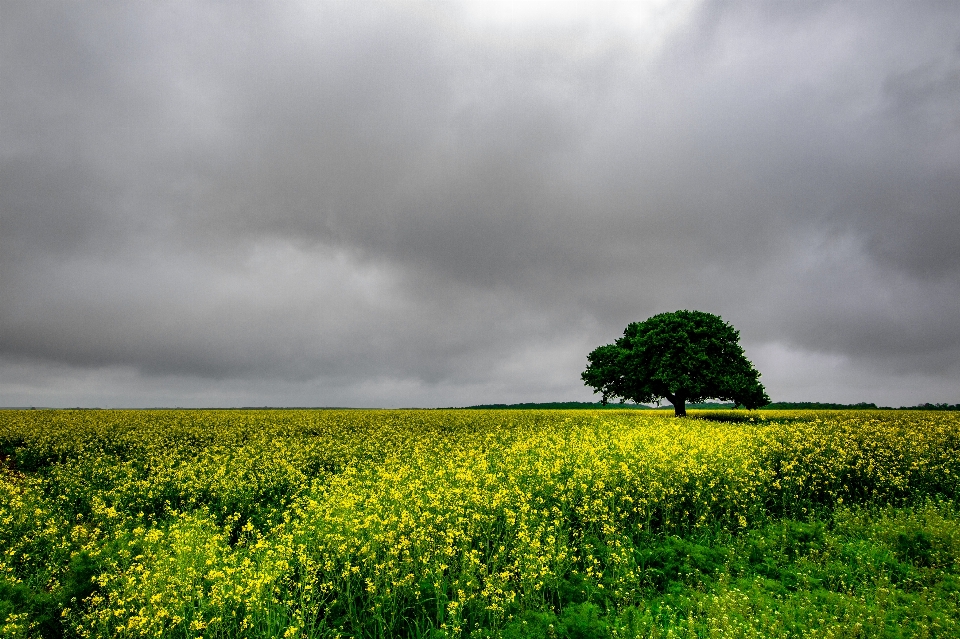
(432, 204)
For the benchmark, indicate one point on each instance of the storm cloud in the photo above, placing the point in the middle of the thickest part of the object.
(436, 204)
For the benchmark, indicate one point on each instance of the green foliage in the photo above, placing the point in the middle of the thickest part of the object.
(667, 561)
(929, 406)
(576, 621)
(862, 572)
(557, 406)
(685, 356)
(820, 406)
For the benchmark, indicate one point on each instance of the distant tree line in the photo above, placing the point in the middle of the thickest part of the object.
(861, 406)
(560, 406)
(713, 405)
(820, 406)
(929, 406)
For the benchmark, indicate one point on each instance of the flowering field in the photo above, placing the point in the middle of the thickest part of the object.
(479, 523)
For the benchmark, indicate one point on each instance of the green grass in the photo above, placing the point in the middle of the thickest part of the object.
(860, 573)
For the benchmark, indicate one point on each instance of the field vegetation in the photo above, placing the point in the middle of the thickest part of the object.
(457, 523)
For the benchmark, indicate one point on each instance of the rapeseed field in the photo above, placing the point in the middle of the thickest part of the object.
(447, 523)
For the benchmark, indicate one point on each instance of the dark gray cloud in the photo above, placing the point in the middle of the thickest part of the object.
(433, 204)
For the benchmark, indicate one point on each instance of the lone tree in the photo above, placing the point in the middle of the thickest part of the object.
(685, 356)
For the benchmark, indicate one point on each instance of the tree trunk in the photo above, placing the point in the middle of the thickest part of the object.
(679, 405)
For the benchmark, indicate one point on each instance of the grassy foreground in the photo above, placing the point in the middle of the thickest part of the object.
(479, 524)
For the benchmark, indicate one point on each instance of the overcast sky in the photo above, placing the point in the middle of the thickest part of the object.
(442, 204)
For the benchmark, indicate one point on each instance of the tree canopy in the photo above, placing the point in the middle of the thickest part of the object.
(684, 356)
